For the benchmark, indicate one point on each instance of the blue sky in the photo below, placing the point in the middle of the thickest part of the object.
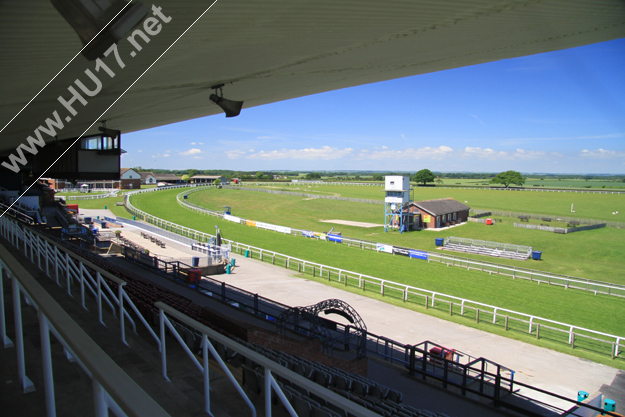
(558, 112)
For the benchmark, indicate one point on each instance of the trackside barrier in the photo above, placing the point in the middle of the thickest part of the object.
(574, 336)
(113, 389)
(540, 277)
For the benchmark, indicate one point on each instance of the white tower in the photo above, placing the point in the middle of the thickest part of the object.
(397, 189)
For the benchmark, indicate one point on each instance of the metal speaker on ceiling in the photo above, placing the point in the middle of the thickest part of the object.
(232, 108)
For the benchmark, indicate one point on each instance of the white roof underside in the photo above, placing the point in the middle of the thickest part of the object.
(272, 51)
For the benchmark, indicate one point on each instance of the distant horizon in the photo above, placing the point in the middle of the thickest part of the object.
(560, 112)
(381, 171)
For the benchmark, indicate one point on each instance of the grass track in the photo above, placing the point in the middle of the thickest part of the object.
(599, 312)
(582, 254)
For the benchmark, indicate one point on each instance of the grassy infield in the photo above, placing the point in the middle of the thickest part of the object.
(596, 254)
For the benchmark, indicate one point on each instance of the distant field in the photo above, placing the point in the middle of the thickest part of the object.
(586, 205)
(540, 183)
(584, 309)
(561, 252)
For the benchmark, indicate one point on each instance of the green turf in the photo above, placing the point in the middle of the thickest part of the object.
(474, 285)
(582, 254)
(586, 205)
(602, 313)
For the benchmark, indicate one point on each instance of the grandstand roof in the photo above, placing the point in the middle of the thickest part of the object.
(266, 52)
(440, 206)
(167, 177)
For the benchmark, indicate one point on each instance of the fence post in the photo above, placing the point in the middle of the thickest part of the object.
(477, 315)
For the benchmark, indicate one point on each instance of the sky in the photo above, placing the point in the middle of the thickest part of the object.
(557, 112)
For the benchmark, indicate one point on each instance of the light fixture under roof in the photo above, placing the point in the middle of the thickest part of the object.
(230, 107)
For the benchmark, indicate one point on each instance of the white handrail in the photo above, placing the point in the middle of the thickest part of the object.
(119, 390)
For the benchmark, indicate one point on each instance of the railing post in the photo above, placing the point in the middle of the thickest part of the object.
(46, 357)
(67, 274)
(6, 342)
(120, 295)
(268, 391)
(99, 399)
(99, 281)
(411, 360)
(205, 363)
(27, 385)
(497, 393)
(163, 349)
(82, 285)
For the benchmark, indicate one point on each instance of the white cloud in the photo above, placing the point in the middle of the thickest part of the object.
(602, 154)
(193, 143)
(486, 153)
(235, 154)
(193, 151)
(427, 152)
(523, 154)
(324, 153)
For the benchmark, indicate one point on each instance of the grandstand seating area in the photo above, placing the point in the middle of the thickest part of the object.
(480, 247)
(366, 392)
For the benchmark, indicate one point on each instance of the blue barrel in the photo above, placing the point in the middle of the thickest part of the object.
(609, 405)
(103, 225)
(536, 255)
(439, 241)
(228, 267)
(185, 196)
(232, 262)
(195, 261)
(247, 253)
(581, 396)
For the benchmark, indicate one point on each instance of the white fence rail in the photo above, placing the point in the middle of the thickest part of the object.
(572, 334)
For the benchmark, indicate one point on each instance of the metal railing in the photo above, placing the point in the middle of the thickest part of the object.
(113, 388)
(49, 258)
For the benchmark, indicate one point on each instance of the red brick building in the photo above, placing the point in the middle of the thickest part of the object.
(434, 214)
